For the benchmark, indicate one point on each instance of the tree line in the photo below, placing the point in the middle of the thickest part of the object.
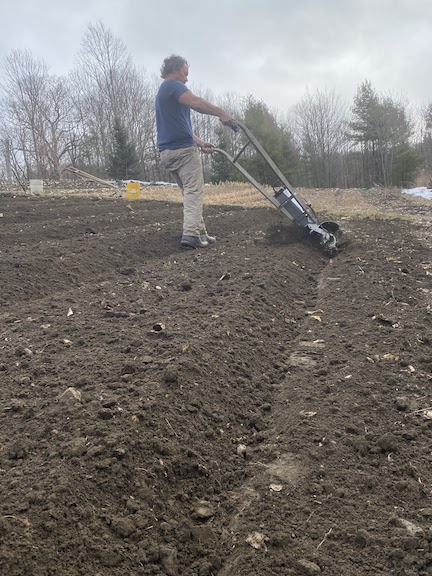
(101, 118)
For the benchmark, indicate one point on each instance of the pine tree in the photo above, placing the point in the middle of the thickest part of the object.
(366, 112)
(382, 128)
(275, 140)
(406, 166)
(123, 162)
(221, 168)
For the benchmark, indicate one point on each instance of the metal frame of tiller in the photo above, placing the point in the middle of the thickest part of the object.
(285, 198)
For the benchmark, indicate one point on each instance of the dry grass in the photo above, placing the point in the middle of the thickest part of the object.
(228, 193)
(346, 203)
(350, 203)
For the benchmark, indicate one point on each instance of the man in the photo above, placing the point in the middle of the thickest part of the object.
(178, 145)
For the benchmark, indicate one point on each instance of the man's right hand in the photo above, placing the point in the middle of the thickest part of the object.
(227, 119)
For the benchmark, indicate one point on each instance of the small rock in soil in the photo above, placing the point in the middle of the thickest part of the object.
(307, 567)
(204, 510)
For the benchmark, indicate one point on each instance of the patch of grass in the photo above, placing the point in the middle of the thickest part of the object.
(348, 204)
(340, 203)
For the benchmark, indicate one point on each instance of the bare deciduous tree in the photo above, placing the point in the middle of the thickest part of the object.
(48, 121)
(107, 86)
(319, 124)
(36, 114)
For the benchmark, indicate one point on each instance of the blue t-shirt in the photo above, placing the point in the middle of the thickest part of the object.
(173, 122)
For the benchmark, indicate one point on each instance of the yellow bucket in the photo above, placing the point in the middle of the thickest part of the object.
(133, 190)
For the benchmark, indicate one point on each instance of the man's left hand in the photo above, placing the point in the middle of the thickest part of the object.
(207, 148)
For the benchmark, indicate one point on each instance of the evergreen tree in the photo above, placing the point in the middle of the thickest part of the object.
(123, 161)
(406, 166)
(382, 128)
(221, 168)
(365, 116)
(275, 140)
(426, 142)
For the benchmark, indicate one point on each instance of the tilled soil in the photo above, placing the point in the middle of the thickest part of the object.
(249, 409)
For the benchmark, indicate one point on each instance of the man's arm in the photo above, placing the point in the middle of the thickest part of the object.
(203, 107)
(198, 141)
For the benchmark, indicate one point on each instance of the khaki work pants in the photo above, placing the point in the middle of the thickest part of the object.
(185, 166)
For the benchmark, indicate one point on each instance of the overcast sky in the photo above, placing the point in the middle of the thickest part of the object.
(273, 49)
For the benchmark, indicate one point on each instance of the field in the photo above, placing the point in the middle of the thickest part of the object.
(252, 409)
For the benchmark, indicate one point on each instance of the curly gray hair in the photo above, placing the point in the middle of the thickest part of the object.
(172, 64)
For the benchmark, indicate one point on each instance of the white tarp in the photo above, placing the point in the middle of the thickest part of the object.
(155, 183)
(422, 191)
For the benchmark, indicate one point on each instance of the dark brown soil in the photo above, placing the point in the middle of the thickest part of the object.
(249, 409)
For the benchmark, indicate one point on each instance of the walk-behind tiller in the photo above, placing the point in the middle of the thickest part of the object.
(286, 199)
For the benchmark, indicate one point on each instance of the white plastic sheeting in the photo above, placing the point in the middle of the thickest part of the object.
(422, 191)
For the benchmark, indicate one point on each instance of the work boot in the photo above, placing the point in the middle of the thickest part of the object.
(193, 242)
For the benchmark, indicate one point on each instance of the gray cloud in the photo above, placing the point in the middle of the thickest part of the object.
(274, 49)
